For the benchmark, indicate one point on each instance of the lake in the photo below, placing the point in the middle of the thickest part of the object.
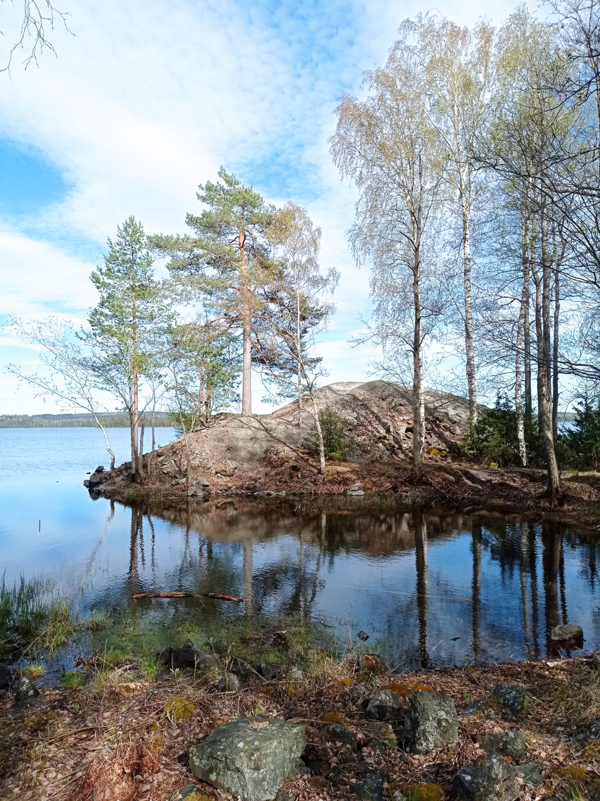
(429, 590)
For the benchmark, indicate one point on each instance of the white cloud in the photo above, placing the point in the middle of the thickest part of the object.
(148, 99)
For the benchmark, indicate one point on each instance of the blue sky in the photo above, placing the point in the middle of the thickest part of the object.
(145, 101)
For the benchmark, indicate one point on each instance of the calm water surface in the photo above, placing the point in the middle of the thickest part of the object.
(429, 590)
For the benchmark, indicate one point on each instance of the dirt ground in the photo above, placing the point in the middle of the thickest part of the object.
(130, 739)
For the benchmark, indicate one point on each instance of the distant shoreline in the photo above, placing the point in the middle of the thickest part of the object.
(83, 420)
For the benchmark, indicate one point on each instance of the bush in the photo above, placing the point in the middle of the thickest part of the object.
(336, 442)
(581, 444)
(495, 438)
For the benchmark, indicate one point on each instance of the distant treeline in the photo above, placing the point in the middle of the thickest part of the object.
(109, 420)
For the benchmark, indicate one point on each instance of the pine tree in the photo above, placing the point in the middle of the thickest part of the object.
(227, 259)
(125, 321)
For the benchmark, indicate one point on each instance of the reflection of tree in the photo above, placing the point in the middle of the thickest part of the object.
(551, 558)
(524, 598)
(476, 590)
(248, 598)
(422, 585)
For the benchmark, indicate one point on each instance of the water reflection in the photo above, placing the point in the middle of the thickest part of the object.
(431, 590)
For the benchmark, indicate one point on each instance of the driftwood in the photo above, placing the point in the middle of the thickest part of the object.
(216, 595)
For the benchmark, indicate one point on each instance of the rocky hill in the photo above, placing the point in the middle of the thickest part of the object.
(232, 449)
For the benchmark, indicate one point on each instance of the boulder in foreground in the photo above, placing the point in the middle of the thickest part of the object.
(495, 780)
(249, 757)
(431, 721)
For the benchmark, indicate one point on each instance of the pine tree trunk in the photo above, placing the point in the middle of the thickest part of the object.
(141, 458)
(469, 348)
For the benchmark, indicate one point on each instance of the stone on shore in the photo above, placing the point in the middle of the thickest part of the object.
(229, 683)
(27, 694)
(187, 656)
(568, 632)
(514, 699)
(495, 780)
(431, 721)
(508, 743)
(343, 735)
(249, 757)
(383, 737)
(384, 705)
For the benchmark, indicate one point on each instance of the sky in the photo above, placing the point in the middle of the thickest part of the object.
(142, 102)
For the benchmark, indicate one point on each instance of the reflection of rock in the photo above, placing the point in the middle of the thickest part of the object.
(249, 757)
(431, 721)
(495, 779)
(568, 632)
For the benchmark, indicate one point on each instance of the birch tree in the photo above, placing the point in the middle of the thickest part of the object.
(387, 145)
(460, 69)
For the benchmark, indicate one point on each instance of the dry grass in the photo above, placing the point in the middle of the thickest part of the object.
(129, 740)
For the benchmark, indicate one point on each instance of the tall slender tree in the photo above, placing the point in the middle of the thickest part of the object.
(123, 324)
(388, 146)
(226, 259)
(460, 69)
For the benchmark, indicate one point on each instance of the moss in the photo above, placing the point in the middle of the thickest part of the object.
(33, 670)
(336, 717)
(179, 709)
(73, 678)
(424, 792)
(572, 773)
(404, 688)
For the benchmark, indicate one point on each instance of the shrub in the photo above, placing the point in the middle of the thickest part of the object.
(336, 442)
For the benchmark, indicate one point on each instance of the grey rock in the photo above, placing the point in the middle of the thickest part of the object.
(514, 699)
(508, 743)
(568, 632)
(431, 721)
(384, 705)
(357, 692)
(594, 732)
(371, 789)
(531, 773)
(186, 791)
(100, 469)
(187, 656)
(229, 683)
(281, 796)
(86, 484)
(477, 707)
(248, 759)
(357, 494)
(495, 780)
(270, 670)
(362, 635)
(344, 735)
(296, 674)
(382, 734)
(95, 478)
(27, 694)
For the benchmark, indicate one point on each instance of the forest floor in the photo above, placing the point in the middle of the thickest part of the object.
(125, 736)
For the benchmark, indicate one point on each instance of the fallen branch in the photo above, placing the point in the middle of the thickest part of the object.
(215, 595)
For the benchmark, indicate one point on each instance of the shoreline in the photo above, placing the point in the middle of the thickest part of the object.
(148, 745)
